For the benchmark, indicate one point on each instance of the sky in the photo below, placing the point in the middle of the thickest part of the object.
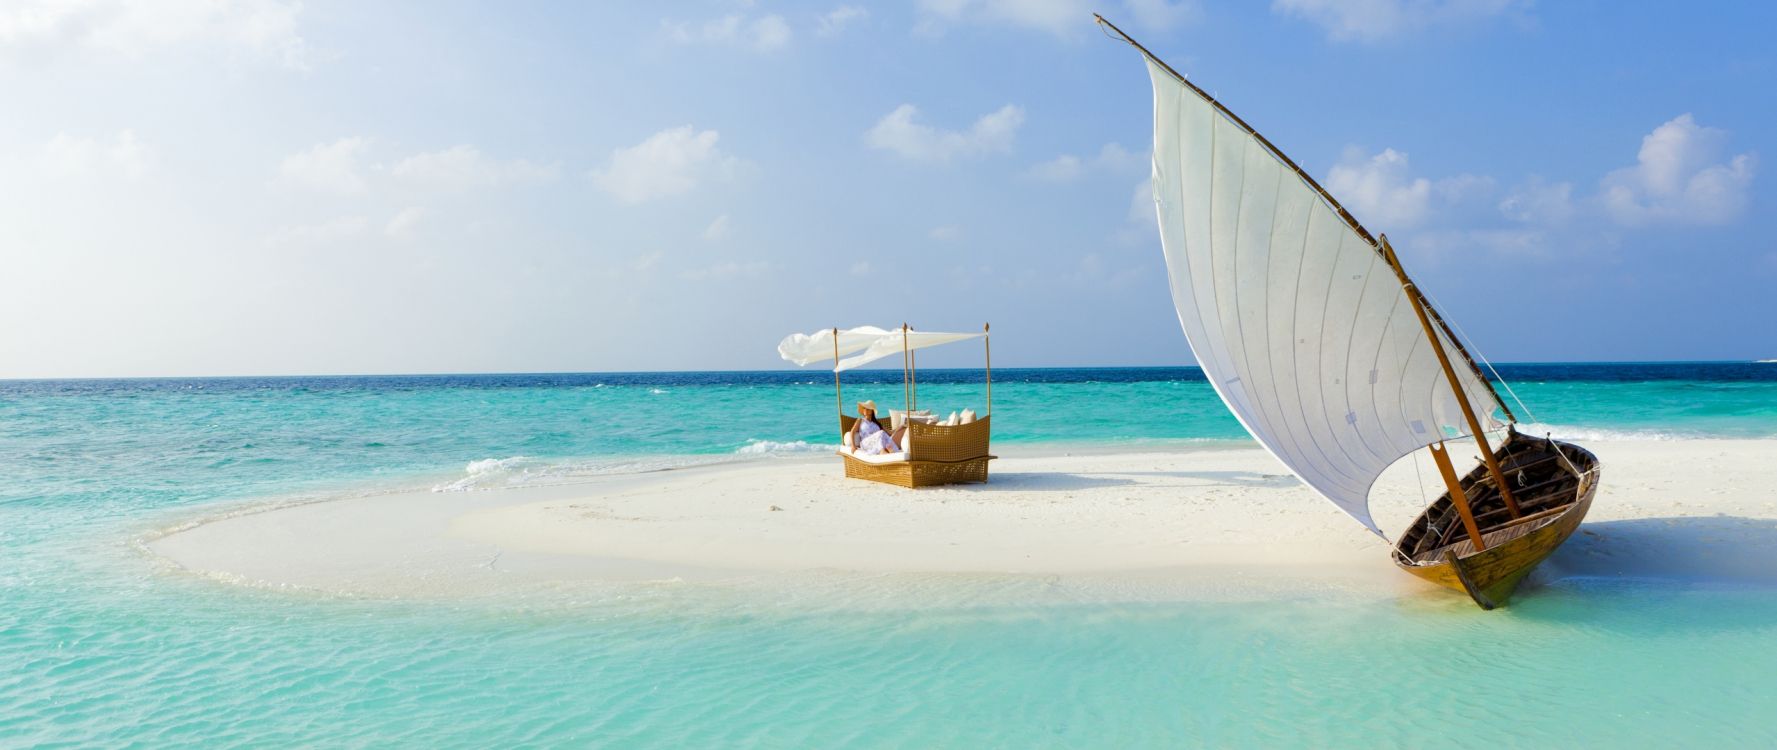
(235, 187)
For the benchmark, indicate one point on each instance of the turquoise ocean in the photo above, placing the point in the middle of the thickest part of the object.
(103, 646)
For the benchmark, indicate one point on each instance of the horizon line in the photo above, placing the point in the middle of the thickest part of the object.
(520, 373)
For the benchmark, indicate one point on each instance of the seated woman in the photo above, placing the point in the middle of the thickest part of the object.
(868, 437)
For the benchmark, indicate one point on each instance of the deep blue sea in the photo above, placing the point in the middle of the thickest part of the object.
(100, 646)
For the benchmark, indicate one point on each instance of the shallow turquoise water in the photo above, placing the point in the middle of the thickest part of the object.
(1580, 664)
(102, 647)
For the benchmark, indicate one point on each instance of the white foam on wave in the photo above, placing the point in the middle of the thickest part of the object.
(1575, 432)
(524, 471)
(757, 447)
(489, 472)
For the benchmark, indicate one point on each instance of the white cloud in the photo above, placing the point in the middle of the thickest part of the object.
(671, 162)
(862, 268)
(1067, 167)
(897, 132)
(1063, 168)
(67, 156)
(718, 229)
(1064, 18)
(730, 269)
(1680, 178)
(1536, 201)
(328, 167)
(1140, 224)
(1114, 156)
(464, 167)
(1162, 15)
(1141, 206)
(1375, 20)
(945, 233)
(1516, 243)
(1378, 189)
(834, 21)
(769, 33)
(323, 233)
(406, 223)
(1381, 191)
(43, 29)
(646, 262)
(1054, 16)
(762, 34)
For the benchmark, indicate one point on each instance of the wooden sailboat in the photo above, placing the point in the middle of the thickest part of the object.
(1314, 336)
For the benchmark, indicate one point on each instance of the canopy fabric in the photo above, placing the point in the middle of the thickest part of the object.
(1298, 321)
(892, 344)
(806, 348)
(865, 344)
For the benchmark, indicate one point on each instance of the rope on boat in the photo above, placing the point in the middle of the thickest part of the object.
(1426, 512)
(1577, 474)
(1470, 344)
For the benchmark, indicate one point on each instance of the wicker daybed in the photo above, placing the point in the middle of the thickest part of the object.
(933, 454)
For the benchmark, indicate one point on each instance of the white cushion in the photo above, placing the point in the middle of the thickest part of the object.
(882, 458)
(967, 417)
(897, 418)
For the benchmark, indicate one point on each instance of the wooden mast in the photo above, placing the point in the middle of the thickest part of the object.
(1458, 497)
(1331, 202)
(1468, 412)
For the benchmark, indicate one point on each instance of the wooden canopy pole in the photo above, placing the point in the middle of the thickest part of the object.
(906, 367)
(987, 340)
(1468, 412)
(912, 370)
(1441, 457)
(838, 399)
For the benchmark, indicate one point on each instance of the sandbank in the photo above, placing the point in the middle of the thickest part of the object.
(1696, 510)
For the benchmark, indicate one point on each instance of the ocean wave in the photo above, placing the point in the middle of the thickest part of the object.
(774, 448)
(523, 471)
(487, 472)
(1575, 432)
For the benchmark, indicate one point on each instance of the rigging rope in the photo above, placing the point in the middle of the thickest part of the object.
(1469, 343)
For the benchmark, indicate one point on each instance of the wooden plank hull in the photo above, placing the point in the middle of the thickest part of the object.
(1559, 479)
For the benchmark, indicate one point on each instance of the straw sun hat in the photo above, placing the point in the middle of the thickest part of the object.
(871, 405)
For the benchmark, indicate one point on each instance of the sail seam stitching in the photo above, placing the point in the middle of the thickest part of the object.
(1357, 312)
(1295, 362)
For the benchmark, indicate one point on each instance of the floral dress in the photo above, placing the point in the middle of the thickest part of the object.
(873, 440)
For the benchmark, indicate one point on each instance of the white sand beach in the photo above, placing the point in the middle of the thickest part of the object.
(1690, 509)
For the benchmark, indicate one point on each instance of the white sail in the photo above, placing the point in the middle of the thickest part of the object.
(1297, 319)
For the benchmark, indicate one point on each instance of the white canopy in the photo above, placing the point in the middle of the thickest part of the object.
(865, 344)
(1296, 318)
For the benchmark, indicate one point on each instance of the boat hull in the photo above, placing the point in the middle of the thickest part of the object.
(1435, 550)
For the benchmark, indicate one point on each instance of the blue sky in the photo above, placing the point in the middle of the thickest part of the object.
(263, 187)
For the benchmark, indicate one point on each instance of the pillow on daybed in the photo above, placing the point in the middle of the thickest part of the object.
(899, 418)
